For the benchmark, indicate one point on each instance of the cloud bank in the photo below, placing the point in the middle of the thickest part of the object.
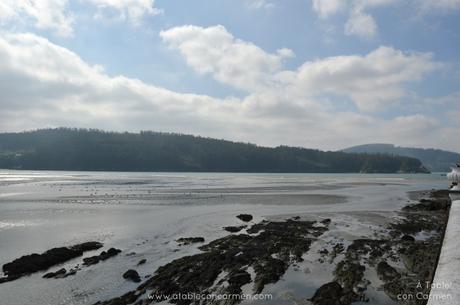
(55, 15)
(48, 85)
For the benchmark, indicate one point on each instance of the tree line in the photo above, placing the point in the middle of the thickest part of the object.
(97, 150)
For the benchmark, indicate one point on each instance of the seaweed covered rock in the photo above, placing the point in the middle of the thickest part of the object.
(132, 275)
(58, 274)
(328, 294)
(189, 240)
(244, 217)
(234, 229)
(36, 262)
(223, 265)
(386, 272)
(92, 260)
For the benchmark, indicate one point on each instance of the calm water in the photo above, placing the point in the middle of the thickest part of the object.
(146, 212)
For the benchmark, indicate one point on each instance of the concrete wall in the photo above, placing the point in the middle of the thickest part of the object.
(446, 284)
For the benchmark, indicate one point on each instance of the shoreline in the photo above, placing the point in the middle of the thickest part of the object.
(245, 259)
(371, 205)
(349, 284)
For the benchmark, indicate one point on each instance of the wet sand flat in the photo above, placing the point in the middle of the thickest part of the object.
(144, 213)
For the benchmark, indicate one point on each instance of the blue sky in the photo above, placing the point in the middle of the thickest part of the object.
(315, 73)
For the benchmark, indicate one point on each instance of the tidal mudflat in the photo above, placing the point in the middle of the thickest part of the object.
(311, 239)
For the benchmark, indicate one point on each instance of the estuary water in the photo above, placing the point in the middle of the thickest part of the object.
(144, 213)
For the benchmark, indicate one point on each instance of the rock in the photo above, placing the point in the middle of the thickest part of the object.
(245, 217)
(190, 240)
(142, 261)
(88, 246)
(326, 221)
(58, 274)
(269, 272)
(36, 262)
(349, 273)
(222, 265)
(438, 200)
(132, 275)
(71, 272)
(408, 238)
(233, 229)
(240, 278)
(92, 260)
(328, 294)
(8, 278)
(386, 272)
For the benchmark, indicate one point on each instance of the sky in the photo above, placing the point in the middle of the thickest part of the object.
(326, 74)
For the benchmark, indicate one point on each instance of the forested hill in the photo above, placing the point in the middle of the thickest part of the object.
(81, 149)
(435, 160)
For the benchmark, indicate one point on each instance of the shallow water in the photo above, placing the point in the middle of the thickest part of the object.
(146, 212)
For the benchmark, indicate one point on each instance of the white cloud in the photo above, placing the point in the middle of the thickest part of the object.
(44, 84)
(215, 51)
(361, 24)
(373, 81)
(443, 5)
(326, 8)
(132, 10)
(55, 15)
(260, 4)
(45, 14)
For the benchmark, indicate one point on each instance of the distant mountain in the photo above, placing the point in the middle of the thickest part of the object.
(435, 160)
(82, 149)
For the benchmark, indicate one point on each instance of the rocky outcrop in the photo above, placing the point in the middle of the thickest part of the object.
(328, 294)
(37, 262)
(223, 264)
(189, 240)
(58, 274)
(92, 260)
(244, 217)
(234, 229)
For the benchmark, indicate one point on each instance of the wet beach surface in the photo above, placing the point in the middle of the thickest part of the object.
(144, 214)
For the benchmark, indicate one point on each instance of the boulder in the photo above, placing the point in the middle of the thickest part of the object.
(244, 217)
(132, 275)
(328, 294)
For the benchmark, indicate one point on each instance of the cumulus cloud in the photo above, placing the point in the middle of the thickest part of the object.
(55, 15)
(47, 85)
(45, 14)
(326, 8)
(132, 10)
(361, 22)
(215, 51)
(372, 81)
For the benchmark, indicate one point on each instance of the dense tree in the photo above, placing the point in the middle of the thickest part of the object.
(435, 160)
(88, 149)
